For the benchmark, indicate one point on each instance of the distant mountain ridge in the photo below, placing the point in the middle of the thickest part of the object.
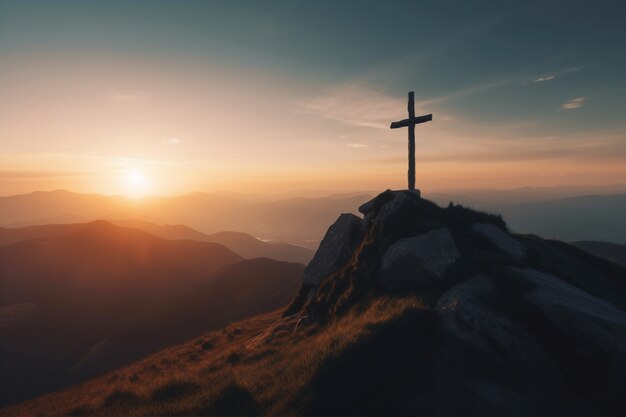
(606, 250)
(86, 298)
(301, 221)
(243, 244)
(550, 212)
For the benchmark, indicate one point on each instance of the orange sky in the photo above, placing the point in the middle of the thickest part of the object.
(84, 111)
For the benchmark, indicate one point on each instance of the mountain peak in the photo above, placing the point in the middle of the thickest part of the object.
(407, 243)
(404, 242)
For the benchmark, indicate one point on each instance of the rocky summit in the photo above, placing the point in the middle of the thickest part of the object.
(512, 324)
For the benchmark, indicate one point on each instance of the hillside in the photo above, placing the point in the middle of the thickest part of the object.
(243, 244)
(99, 296)
(612, 251)
(413, 310)
(301, 221)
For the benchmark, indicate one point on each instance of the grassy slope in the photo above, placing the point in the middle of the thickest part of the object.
(228, 372)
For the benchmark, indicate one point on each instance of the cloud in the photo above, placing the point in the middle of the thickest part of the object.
(357, 145)
(575, 103)
(357, 104)
(544, 78)
(171, 141)
(555, 74)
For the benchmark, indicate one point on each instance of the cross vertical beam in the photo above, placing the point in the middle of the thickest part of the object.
(410, 123)
(411, 172)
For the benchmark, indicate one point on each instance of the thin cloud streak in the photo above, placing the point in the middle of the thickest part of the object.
(358, 104)
(545, 78)
(575, 103)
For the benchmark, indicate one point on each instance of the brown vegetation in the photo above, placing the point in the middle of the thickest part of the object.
(272, 377)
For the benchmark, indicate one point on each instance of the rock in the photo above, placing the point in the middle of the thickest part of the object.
(501, 239)
(336, 248)
(388, 205)
(467, 315)
(575, 311)
(482, 347)
(587, 333)
(418, 261)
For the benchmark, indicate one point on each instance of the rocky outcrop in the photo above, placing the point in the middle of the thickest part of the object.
(416, 262)
(468, 314)
(502, 324)
(335, 249)
(501, 239)
(388, 205)
(587, 322)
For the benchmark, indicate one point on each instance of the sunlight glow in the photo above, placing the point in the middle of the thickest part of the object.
(137, 183)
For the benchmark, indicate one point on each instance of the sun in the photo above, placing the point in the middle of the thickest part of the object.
(137, 183)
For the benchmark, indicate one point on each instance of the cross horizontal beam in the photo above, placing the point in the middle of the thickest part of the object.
(414, 121)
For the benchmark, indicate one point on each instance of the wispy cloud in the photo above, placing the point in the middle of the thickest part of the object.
(171, 141)
(554, 74)
(359, 105)
(356, 105)
(544, 78)
(575, 103)
(357, 145)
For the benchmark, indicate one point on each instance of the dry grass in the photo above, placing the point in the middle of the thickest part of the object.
(231, 377)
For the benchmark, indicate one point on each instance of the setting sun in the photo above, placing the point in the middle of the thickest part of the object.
(136, 183)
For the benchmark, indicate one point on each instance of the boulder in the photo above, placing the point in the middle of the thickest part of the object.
(388, 205)
(501, 239)
(467, 314)
(337, 247)
(587, 333)
(576, 312)
(492, 355)
(418, 261)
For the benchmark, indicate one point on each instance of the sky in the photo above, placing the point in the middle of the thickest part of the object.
(170, 97)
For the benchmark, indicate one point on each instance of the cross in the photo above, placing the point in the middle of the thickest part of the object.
(410, 123)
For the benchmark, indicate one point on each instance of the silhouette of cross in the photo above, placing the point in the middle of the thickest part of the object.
(410, 123)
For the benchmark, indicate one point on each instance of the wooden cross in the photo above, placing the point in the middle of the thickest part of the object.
(410, 123)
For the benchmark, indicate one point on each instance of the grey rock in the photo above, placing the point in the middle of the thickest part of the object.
(474, 336)
(336, 248)
(576, 311)
(467, 315)
(501, 239)
(418, 261)
(388, 204)
(585, 329)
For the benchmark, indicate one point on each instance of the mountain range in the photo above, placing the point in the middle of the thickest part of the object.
(302, 221)
(78, 300)
(412, 309)
(241, 243)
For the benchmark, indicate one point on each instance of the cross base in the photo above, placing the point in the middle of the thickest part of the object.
(416, 192)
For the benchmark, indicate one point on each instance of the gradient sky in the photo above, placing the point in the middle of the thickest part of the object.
(168, 97)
